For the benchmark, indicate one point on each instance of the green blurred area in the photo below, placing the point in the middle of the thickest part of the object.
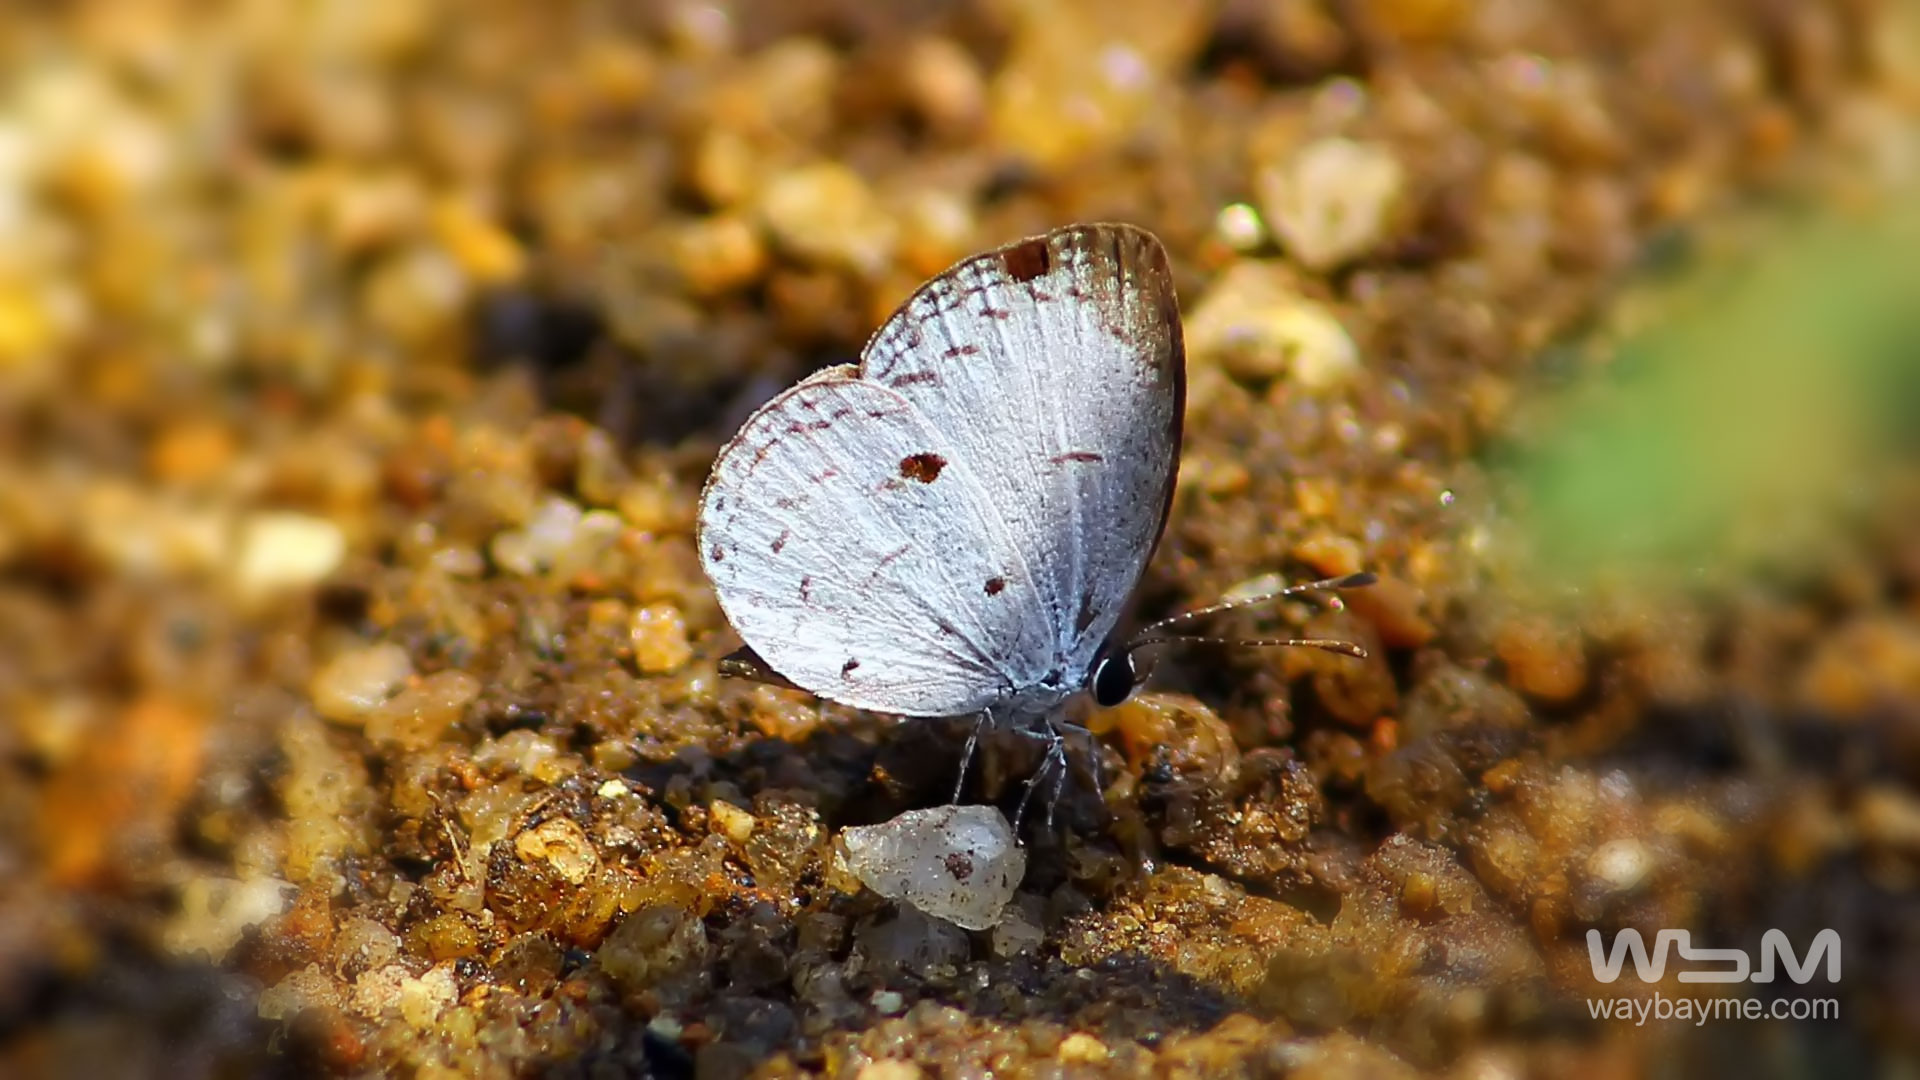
(1768, 399)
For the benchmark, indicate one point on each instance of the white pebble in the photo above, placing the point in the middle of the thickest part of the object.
(281, 550)
(1255, 323)
(358, 681)
(1332, 201)
(958, 863)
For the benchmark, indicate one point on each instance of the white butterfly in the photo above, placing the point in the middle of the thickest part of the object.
(955, 525)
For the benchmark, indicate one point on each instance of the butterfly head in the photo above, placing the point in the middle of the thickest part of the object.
(1114, 676)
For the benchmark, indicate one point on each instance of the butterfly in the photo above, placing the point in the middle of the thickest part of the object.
(955, 525)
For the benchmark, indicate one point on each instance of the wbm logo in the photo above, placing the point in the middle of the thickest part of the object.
(1774, 944)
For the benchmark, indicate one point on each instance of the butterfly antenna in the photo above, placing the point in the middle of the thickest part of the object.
(1156, 634)
(1350, 581)
(1332, 645)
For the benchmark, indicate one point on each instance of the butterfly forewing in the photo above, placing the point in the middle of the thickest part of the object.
(1055, 368)
(853, 548)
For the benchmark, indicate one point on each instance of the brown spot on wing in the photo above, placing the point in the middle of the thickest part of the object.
(1028, 260)
(994, 585)
(781, 540)
(1076, 455)
(924, 467)
(846, 669)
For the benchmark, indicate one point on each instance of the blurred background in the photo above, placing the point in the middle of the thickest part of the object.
(361, 362)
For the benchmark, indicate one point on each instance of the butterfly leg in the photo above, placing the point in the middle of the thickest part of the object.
(1096, 768)
(1057, 758)
(966, 755)
(1033, 782)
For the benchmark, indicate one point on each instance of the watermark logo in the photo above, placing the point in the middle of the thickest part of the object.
(1734, 964)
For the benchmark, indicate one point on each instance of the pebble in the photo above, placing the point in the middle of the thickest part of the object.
(213, 913)
(958, 863)
(1082, 76)
(487, 253)
(1081, 1048)
(1256, 324)
(912, 941)
(422, 1000)
(723, 168)
(732, 822)
(889, 1069)
(354, 683)
(535, 548)
(281, 550)
(1888, 816)
(1333, 201)
(190, 452)
(826, 215)
(561, 844)
(943, 85)
(1022, 929)
(719, 253)
(1238, 226)
(415, 718)
(1621, 864)
(659, 636)
(1545, 660)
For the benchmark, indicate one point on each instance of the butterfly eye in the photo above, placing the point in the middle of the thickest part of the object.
(1112, 681)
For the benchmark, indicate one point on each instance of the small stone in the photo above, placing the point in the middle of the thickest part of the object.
(1022, 929)
(716, 254)
(422, 1000)
(943, 84)
(1393, 606)
(1545, 660)
(190, 452)
(416, 293)
(889, 1069)
(486, 252)
(1333, 201)
(914, 942)
(1620, 864)
(1888, 817)
(561, 844)
(1239, 227)
(1081, 76)
(416, 718)
(281, 550)
(723, 168)
(213, 913)
(659, 636)
(361, 944)
(26, 326)
(306, 988)
(358, 681)
(532, 550)
(958, 863)
(377, 990)
(825, 214)
(1255, 323)
(1330, 554)
(1082, 1048)
(732, 822)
